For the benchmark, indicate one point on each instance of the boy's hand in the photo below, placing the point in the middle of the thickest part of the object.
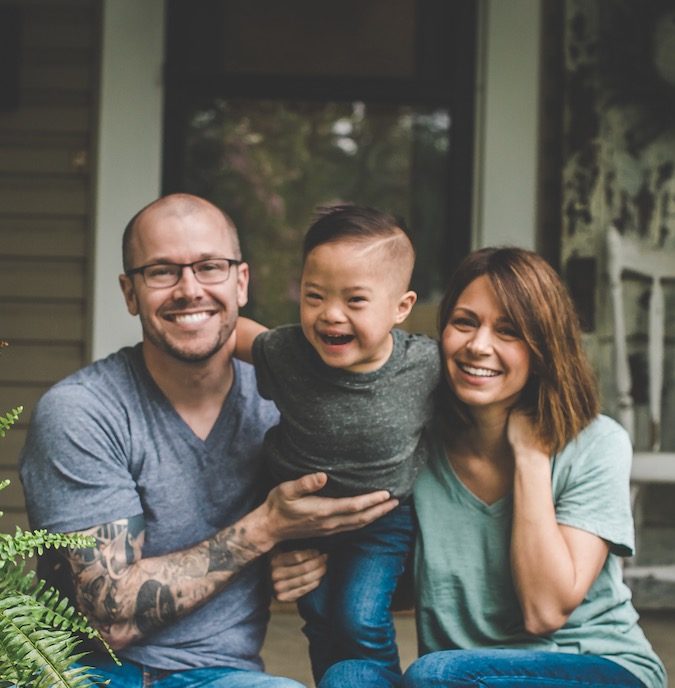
(296, 573)
(292, 510)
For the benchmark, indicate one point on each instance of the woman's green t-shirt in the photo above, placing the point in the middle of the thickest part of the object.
(465, 594)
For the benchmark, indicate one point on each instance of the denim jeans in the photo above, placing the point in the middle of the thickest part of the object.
(349, 615)
(132, 675)
(487, 669)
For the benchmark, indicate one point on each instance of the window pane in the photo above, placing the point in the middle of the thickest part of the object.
(270, 163)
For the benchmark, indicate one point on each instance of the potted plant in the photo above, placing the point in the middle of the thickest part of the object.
(40, 630)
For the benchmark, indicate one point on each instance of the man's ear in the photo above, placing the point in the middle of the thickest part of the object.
(405, 304)
(242, 284)
(127, 287)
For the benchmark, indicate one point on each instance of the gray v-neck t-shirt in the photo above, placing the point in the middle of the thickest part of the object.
(106, 444)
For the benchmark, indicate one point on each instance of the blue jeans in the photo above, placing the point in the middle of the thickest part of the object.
(349, 615)
(132, 675)
(487, 669)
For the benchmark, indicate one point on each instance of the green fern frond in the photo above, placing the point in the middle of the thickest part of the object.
(9, 419)
(40, 657)
(37, 633)
(49, 607)
(59, 613)
(25, 544)
(16, 579)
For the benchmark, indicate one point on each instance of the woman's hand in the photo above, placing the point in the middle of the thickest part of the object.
(521, 434)
(296, 573)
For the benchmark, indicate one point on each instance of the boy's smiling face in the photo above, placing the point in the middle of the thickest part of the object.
(351, 297)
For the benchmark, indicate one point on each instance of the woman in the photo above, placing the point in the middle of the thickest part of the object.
(523, 510)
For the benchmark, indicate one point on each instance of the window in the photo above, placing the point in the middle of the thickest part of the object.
(276, 108)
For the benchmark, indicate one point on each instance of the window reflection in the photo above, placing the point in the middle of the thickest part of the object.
(269, 163)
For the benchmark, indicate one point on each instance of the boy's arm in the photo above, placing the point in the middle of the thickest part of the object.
(247, 330)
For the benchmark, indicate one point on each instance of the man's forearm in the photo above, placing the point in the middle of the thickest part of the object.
(128, 597)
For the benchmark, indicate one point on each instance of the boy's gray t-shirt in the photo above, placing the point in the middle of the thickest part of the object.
(106, 444)
(366, 430)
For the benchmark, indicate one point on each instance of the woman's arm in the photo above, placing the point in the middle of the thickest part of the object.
(247, 330)
(553, 565)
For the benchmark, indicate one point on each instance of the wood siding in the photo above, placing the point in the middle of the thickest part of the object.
(46, 167)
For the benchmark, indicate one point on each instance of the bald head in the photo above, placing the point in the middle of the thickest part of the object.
(175, 206)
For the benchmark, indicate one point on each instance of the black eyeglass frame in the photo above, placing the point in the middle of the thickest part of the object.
(142, 268)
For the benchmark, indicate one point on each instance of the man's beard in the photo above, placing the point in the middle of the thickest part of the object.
(184, 353)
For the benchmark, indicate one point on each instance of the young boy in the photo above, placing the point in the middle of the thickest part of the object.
(355, 397)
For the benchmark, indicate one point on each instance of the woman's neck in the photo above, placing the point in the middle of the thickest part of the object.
(486, 437)
(481, 457)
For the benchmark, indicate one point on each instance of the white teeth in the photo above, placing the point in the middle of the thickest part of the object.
(190, 318)
(478, 372)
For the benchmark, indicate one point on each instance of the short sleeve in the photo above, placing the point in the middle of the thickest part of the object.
(74, 465)
(261, 352)
(276, 354)
(591, 485)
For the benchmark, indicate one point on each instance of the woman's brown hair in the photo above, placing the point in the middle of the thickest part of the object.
(561, 395)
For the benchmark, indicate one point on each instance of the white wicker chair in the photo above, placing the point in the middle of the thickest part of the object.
(650, 464)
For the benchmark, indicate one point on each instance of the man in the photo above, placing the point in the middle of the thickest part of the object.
(155, 452)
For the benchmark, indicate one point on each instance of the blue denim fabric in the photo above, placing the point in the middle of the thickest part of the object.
(349, 615)
(487, 669)
(359, 673)
(132, 675)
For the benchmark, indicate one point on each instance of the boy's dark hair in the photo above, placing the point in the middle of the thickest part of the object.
(348, 221)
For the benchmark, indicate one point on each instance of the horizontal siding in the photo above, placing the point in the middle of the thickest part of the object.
(11, 498)
(65, 25)
(43, 197)
(24, 394)
(45, 215)
(40, 279)
(45, 161)
(42, 322)
(37, 236)
(57, 77)
(41, 364)
(69, 119)
(10, 447)
(13, 519)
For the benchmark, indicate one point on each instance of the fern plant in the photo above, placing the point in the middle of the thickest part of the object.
(39, 629)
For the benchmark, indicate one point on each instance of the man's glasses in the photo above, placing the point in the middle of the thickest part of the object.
(162, 275)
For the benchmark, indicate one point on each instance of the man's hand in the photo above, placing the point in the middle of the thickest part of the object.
(127, 596)
(296, 573)
(292, 510)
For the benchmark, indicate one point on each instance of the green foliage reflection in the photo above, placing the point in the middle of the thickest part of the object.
(270, 163)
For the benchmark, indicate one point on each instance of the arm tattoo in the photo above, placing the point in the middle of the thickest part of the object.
(155, 606)
(128, 596)
(230, 551)
(98, 570)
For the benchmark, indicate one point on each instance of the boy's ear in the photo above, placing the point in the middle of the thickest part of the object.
(405, 304)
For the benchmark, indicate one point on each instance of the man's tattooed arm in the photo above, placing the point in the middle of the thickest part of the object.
(127, 596)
